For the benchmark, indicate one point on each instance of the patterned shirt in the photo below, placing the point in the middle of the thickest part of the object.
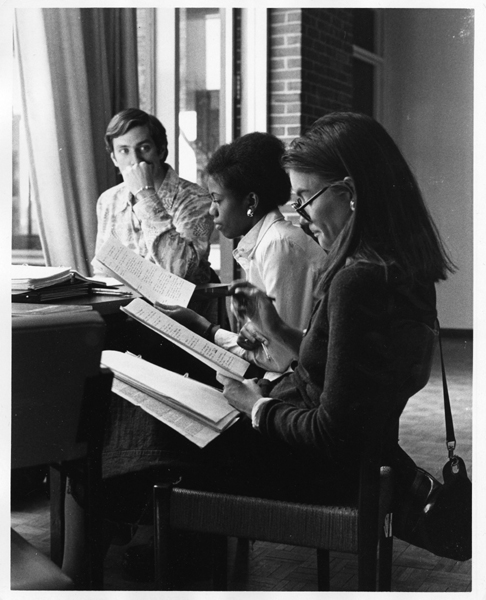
(172, 228)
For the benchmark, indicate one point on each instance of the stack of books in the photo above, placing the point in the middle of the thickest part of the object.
(45, 284)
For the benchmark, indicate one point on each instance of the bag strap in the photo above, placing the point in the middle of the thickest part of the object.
(450, 437)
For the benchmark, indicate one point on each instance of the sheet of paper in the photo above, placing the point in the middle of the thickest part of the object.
(110, 281)
(217, 358)
(197, 397)
(196, 432)
(150, 280)
(31, 277)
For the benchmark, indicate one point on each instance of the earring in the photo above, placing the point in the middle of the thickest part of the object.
(352, 205)
(250, 212)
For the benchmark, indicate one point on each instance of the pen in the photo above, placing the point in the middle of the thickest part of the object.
(106, 292)
(271, 298)
(267, 354)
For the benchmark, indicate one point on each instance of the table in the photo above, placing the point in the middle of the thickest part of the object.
(126, 334)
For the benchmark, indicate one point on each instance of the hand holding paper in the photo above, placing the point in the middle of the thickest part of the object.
(150, 280)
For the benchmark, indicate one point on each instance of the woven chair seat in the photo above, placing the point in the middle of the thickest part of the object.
(266, 520)
(309, 525)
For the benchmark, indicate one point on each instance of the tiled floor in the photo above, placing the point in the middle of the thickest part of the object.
(272, 567)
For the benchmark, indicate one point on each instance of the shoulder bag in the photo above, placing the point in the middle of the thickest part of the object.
(433, 515)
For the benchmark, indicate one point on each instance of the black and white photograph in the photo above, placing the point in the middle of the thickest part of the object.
(244, 340)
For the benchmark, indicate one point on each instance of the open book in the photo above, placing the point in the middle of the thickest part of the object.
(197, 411)
(212, 355)
(150, 280)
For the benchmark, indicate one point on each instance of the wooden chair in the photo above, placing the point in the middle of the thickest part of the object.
(358, 528)
(59, 400)
(362, 527)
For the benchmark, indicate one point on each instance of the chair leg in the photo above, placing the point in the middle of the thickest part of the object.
(219, 565)
(367, 560)
(92, 426)
(385, 557)
(323, 571)
(164, 568)
(241, 561)
(57, 486)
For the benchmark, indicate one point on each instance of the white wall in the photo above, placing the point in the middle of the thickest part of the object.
(428, 110)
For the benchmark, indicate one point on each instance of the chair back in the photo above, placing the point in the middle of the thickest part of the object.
(54, 358)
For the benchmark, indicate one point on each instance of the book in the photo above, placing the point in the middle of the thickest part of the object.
(150, 280)
(195, 410)
(58, 291)
(30, 277)
(219, 359)
(25, 278)
(33, 284)
(22, 309)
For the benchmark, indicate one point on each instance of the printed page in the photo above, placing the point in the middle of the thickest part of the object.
(203, 401)
(32, 277)
(194, 431)
(217, 358)
(150, 280)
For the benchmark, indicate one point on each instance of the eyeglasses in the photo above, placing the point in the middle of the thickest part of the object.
(299, 207)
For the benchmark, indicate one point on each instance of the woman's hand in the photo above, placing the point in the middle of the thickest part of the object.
(186, 317)
(250, 303)
(250, 338)
(242, 395)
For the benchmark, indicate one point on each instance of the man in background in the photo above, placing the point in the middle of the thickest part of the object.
(161, 217)
(154, 212)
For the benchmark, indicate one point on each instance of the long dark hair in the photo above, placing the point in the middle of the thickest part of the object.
(391, 224)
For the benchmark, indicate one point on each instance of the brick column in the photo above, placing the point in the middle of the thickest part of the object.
(310, 67)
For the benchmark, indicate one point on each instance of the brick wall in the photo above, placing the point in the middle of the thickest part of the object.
(310, 67)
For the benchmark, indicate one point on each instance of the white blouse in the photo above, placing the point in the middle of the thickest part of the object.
(285, 263)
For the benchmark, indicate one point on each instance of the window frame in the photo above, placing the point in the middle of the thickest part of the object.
(376, 60)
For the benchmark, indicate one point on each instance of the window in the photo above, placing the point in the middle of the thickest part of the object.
(367, 61)
(206, 112)
(26, 246)
(199, 90)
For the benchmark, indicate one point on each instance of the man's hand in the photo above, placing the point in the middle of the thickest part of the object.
(137, 177)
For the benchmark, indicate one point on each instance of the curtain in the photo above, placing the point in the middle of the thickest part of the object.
(78, 67)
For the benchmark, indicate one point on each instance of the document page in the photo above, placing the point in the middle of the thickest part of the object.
(187, 426)
(150, 280)
(217, 358)
(203, 401)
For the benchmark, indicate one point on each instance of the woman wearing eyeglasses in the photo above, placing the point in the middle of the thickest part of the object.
(370, 339)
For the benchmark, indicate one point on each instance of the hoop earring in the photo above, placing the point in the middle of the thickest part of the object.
(352, 205)
(250, 212)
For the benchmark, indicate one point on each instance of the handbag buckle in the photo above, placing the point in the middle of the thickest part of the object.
(451, 446)
(454, 464)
